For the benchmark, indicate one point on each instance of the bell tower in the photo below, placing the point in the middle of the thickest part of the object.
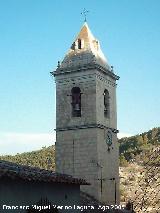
(86, 118)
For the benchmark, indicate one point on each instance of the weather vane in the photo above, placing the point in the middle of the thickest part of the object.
(85, 14)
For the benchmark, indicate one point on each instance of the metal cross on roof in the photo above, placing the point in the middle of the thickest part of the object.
(85, 14)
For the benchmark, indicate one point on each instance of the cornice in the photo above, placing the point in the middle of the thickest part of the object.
(87, 126)
(90, 66)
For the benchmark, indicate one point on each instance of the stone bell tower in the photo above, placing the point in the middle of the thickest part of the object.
(86, 118)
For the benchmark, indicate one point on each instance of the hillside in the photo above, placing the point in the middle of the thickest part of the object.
(140, 170)
(44, 158)
(137, 148)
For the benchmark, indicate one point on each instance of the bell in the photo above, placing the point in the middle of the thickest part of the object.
(77, 108)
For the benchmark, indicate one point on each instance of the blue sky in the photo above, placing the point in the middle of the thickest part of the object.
(34, 35)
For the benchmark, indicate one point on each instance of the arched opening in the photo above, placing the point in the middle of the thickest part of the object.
(106, 104)
(76, 102)
(79, 44)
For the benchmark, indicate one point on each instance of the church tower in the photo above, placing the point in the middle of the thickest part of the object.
(86, 118)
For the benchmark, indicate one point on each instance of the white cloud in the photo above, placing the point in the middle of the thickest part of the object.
(12, 143)
(122, 135)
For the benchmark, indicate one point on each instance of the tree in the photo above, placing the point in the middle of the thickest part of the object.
(139, 139)
(123, 161)
(145, 139)
(154, 133)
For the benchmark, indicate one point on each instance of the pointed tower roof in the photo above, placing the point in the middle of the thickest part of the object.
(84, 54)
(84, 50)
